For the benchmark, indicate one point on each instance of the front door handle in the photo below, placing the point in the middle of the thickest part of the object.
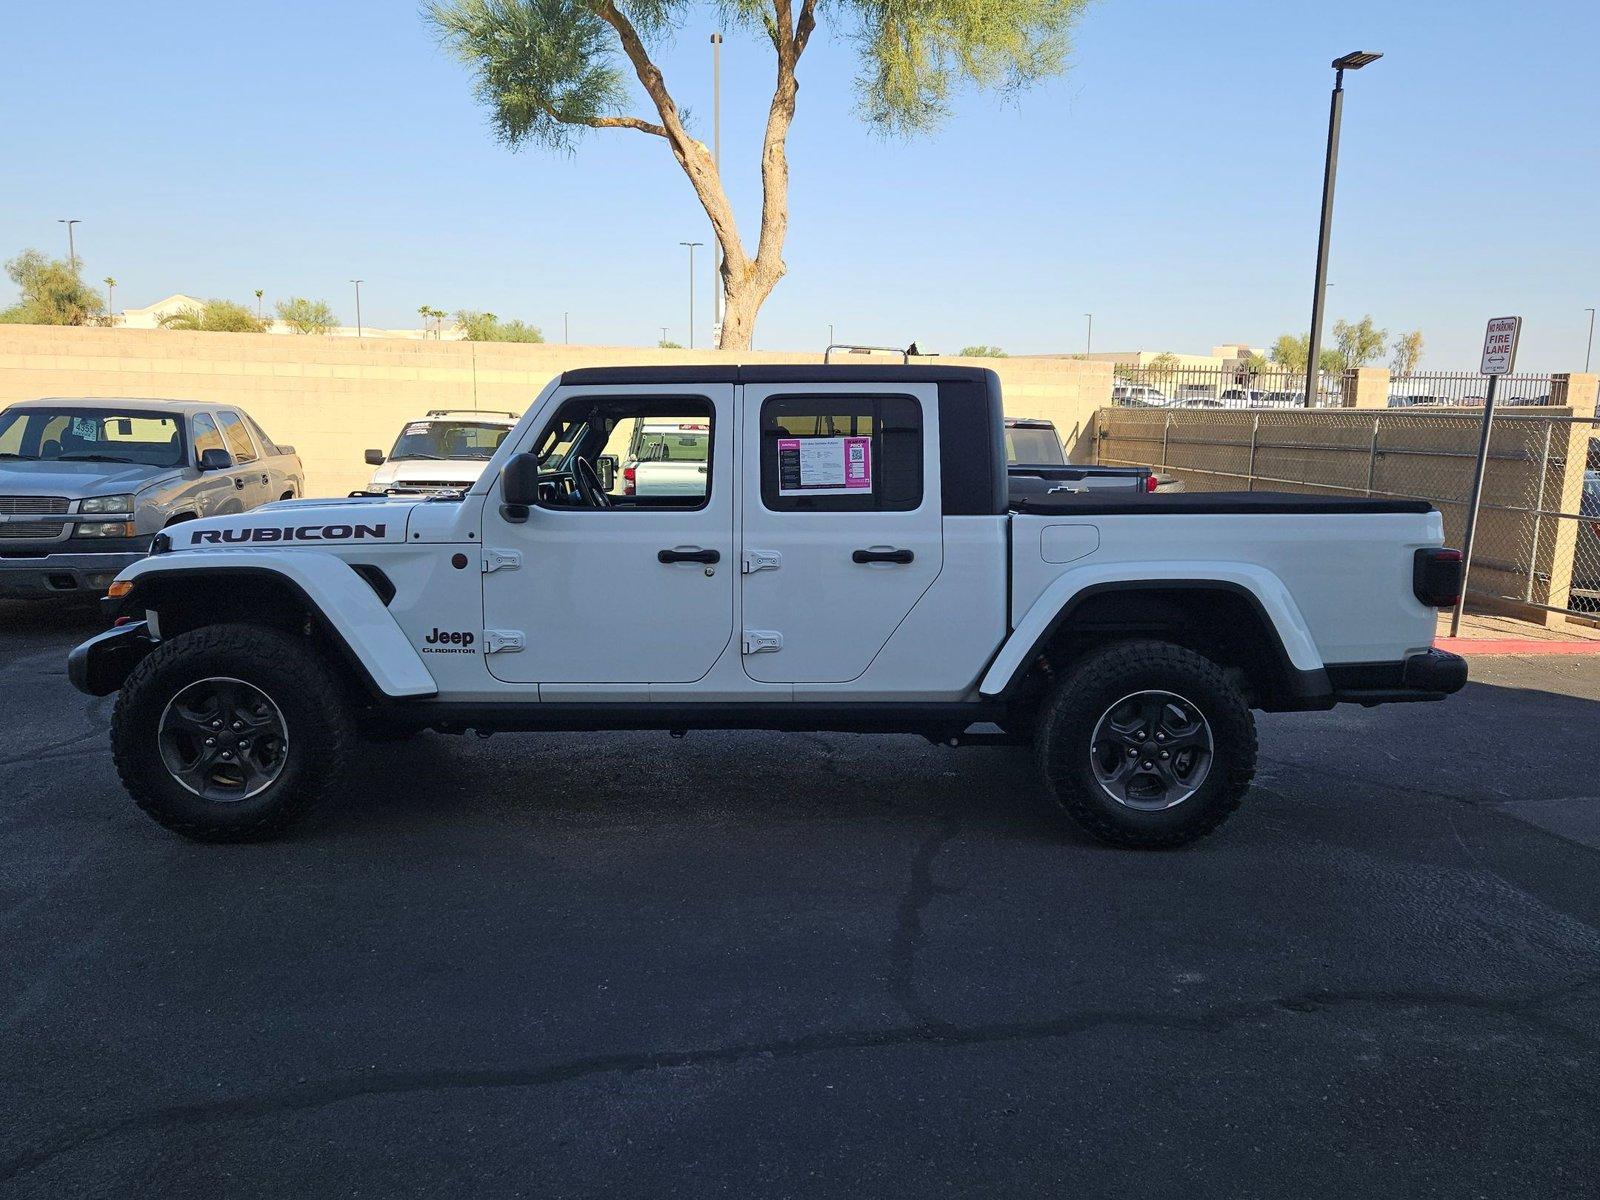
(885, 556)
(693, 554)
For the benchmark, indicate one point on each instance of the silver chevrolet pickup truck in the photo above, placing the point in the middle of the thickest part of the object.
(86, 484)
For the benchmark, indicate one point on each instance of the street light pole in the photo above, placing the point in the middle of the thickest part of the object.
(691, 246)
(566, 329)
(1353, 61)
(1589, 350)
(716, 159)
(1088, 341)
(72, 247)
(358, 283)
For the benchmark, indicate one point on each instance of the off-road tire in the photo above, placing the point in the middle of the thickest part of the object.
(1096, 683)
(287, 669)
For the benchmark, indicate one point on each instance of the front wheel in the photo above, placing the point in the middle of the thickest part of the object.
(1147, 745)
(230, 732)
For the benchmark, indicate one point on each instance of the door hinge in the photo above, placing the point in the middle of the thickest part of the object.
(494, 560)
(752, 561)
(762, 641)
(497, 641)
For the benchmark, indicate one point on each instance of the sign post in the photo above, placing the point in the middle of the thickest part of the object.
(1499, 357)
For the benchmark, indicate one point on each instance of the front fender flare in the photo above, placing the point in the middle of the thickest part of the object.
(1056, 602)
(331, 588)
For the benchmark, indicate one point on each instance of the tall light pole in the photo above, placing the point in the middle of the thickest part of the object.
(1088, 341)
(72, 248)
(691, 246)
(566, 328)
(358, 283)
(1589, 350)
(716, 159)
(1353, 61)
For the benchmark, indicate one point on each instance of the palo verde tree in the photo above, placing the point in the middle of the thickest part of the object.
(550, 70)
(306, 316)
(53, 292)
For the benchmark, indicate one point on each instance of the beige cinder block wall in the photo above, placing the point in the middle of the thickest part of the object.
(332, 398)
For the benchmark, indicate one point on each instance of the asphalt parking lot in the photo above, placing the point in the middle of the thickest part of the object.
(764, 965)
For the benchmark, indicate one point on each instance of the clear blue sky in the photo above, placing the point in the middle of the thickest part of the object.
(1168, 183)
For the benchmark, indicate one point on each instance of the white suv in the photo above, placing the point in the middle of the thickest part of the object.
(444, 451)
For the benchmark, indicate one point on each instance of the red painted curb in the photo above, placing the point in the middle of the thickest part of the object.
(1492, 646)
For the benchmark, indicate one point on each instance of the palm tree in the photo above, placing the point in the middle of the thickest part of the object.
(260, 292)
(111, 309)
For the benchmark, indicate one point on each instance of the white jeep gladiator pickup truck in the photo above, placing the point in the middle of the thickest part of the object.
(852, 562)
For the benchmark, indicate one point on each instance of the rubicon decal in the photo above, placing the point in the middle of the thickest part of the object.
(449, 641)
(287, 533)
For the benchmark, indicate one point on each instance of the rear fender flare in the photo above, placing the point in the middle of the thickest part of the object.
(1266, 592)
(345, 601)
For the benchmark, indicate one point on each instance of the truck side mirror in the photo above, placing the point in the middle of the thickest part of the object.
(519, 486)
(215, 460)
(374, 458)
(605, 467)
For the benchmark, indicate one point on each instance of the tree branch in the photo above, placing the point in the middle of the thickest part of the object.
(692, 155)
(638, 123)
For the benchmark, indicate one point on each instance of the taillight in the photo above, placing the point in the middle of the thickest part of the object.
(1436, 577)
(630, 481)
(1150, 483)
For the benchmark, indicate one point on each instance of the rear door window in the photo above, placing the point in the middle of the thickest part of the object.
(839, 453)
(206, 436)
(237, 437)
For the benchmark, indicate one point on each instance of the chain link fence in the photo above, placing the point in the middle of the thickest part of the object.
(1538, 539)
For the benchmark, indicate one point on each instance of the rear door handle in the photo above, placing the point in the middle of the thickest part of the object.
(694, 554)
(238, 482)
(885, 556)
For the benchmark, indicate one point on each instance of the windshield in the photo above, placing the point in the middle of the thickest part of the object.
(1039, 447)
(680, 444)
(449, 439)
(150, 439)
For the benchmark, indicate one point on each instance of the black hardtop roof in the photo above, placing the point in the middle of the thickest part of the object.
(781, 373)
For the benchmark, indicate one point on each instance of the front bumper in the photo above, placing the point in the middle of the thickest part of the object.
(67, 571)
(99, 666)
(1431, 675)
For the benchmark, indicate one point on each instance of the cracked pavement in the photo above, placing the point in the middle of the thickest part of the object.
(757, 965)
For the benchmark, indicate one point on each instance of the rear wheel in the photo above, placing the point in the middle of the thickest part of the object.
(230, 733)
(1147, 744)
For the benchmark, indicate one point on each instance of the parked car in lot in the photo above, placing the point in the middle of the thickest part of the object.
(666, 458)
(1138, 395)
(1243, 397)
(1036, 465)
(1586, 555)
(86, 483)
(442, 451)
(851, 562)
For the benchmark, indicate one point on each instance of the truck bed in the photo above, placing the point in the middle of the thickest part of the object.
(1116, 503)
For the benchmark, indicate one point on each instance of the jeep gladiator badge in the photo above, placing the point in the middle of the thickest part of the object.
(446, 641)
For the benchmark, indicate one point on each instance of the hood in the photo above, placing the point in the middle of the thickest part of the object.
(410, 472)
(75, 480)
(311, 524)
